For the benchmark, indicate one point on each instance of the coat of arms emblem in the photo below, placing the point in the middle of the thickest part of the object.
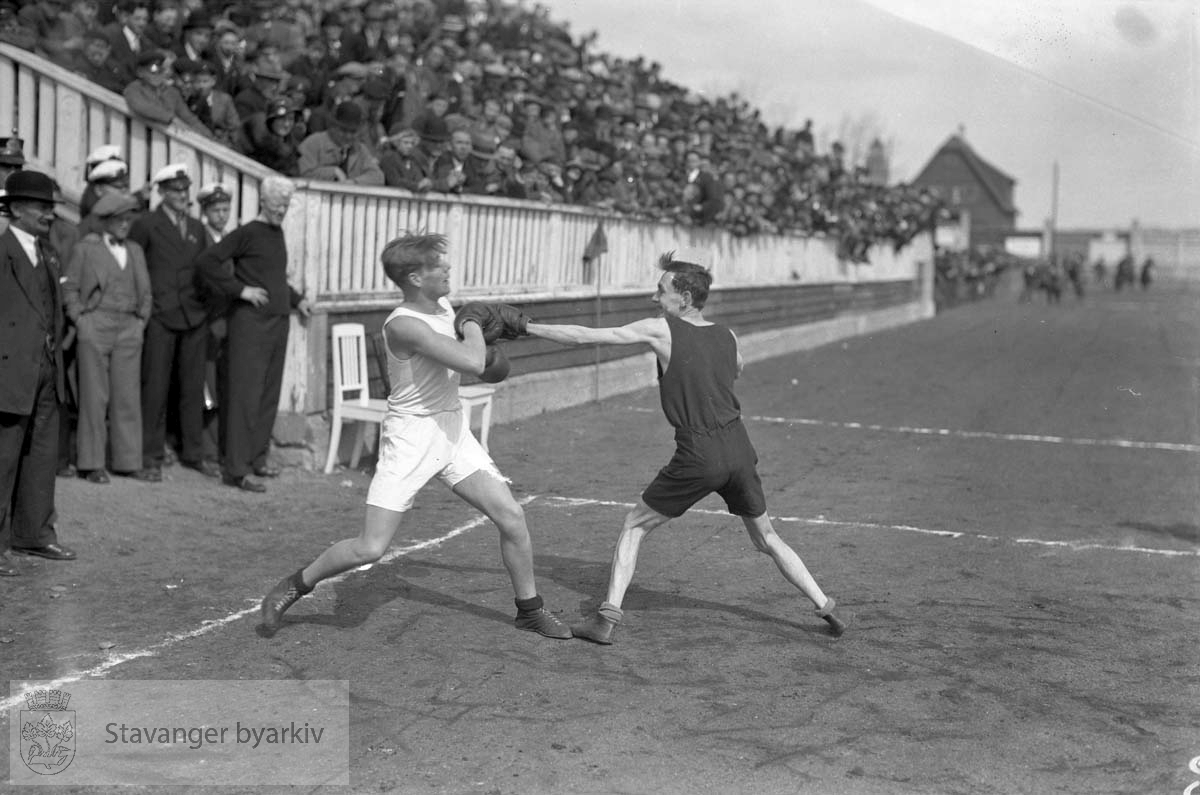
(47, 732)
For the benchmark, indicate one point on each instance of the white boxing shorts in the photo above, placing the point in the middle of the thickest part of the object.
(417, 448)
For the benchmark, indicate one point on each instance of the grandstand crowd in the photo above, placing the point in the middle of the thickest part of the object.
(476, 97)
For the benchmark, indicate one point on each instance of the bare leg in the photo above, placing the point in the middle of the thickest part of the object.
(767, 541)
(347, 554)
(763, 534)
(491, 496)
(639, 522)
(488, 492)
(350, 553)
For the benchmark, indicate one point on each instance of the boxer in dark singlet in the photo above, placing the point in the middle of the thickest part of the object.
(698, 362)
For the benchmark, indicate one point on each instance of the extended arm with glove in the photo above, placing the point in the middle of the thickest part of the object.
(496, 321)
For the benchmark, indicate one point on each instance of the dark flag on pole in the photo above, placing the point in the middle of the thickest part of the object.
(597, 245)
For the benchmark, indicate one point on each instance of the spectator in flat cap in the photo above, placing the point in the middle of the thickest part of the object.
(369, 44)
(402, 164)
(215, 109)
(337, 154)
(456, 171)
(107, 176)
(312, 62)
(227, 59)
(708, 198)
(271, 27)
(331, 33)
(93, 61)
(153, 98)
(15, 32)
(485, 132)
(176, 344)
(504, 177)
(275, 137)
(164, 28)
(541, 139)
(376, 92)
(196, 40)
(266, 84)
(45, 18)
(183, 77)
(106, 291)
(345, 85)
(127, 35)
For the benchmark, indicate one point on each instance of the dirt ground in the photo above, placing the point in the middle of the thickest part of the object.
(1004, 497)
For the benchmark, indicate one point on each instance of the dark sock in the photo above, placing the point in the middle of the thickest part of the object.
(530, 605)
(298, 581)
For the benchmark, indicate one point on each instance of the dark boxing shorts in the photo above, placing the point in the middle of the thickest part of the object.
(721, 461)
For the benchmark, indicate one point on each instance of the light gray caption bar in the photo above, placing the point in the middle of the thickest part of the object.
(212, 732)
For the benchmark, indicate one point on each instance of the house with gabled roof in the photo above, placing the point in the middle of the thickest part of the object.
(969, 184)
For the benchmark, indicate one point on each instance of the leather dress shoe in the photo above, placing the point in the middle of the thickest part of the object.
(96, 476)
(50, 552)
(67, 471)
(244, 483)
(6, 567)
(206, 468)
(267, 471)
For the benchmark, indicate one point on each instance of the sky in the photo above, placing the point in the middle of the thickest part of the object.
(1107, 89)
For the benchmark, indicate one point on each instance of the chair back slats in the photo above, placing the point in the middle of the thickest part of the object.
(350, 363)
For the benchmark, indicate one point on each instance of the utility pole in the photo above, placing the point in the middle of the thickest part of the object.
(1053, 212)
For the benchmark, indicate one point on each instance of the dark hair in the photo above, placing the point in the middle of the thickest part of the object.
(409, 253)
(688, 277)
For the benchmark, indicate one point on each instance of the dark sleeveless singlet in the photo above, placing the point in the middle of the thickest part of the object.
(696, 391)
(713, 453)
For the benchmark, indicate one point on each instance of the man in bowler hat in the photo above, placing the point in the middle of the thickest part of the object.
(31, 372)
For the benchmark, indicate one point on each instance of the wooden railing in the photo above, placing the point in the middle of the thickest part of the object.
(506, 248)
(62, 117)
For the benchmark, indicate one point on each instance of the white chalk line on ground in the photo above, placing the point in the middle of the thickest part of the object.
(208, 626)
(1077, 546)
(115, 660)
(1181, 447)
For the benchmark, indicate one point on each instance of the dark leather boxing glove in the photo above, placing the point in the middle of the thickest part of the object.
(489, 320)
(515, 321)
(495, 366)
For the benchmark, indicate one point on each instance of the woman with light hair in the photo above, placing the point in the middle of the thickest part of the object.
(249, 266)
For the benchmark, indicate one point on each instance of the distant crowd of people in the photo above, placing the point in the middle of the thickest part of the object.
(479, 97)
(1053, 278)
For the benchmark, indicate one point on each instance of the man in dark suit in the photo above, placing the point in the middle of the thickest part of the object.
(31, 372)
(127, 36)
(709, 196)
(177, 334)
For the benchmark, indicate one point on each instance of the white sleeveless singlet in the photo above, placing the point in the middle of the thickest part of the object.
(421, 385)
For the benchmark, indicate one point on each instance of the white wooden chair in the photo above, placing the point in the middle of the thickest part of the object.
(351, 375)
